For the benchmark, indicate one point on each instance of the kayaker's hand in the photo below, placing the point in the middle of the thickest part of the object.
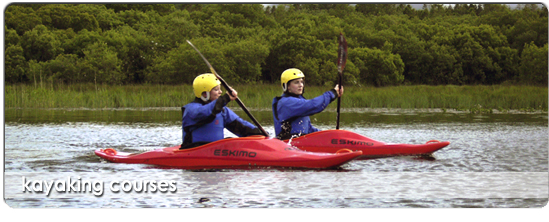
(234, 96)
(338, 90)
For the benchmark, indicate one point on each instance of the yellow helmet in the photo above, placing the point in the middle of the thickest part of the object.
(205, 83)
(290, 74)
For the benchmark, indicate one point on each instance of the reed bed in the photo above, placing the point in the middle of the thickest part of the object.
(501, 97)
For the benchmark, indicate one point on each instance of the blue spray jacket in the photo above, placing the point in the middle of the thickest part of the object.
(291, 113)
(204, 122)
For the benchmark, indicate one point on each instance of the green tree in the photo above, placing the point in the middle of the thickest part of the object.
(65, 68)
(11, 37)
(413, 51)
(35, 72)
(472, 58)
(183, 64)
(40, 44)
(530, 25)
(64, 16)
(171, 30)
(15, 64)
(81, 41)
(459, 44)
(246, 57)
(244, 14)
(102, 65)
(307, 42)
(377, 67)
(106, 18)
(160, 8)
(377, 9)
(295, 49)
(21, 18)
(134, 50)
(533, 68)
(134, 17)
(339, 10)
(499, 16)
(509, 60)
(408, 10)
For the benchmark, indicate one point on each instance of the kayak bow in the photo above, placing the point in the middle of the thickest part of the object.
(332, 141)
(254, 151)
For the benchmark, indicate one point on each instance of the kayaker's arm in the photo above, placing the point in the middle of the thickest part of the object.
(238, 126)
(239, 129)
(199, 112)
(291, 106)
(220, 103)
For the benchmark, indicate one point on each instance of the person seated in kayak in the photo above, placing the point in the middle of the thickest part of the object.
(291, 111)
(205, 118)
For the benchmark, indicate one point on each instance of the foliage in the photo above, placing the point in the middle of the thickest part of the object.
(378, 67)
(15, 64)
(533, 68)
(389, 44)
(40, 44)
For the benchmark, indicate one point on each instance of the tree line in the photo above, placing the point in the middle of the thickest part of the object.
(388, 44)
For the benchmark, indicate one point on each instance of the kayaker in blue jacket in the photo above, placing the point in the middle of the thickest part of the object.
(291, 111)
(205, 118)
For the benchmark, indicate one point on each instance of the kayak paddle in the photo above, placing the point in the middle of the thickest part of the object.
(341, 61)
(228, 88)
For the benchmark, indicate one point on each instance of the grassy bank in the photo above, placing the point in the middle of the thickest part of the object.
(472, 98)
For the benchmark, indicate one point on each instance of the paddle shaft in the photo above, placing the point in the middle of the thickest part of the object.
(338, 102)
(341, 61)
(230, 91)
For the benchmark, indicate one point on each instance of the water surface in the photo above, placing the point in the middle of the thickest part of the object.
(494, 160)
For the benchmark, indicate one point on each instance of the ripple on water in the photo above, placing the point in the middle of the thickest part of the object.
(478, 144)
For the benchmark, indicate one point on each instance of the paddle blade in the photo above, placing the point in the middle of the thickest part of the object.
(341, 54)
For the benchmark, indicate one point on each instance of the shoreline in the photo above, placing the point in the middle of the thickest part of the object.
(330, 110)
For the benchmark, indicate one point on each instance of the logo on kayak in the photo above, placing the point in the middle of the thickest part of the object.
(219, 152)
(351, 142)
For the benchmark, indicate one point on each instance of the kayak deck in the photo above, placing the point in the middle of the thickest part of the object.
(254, 151)
(331, 141)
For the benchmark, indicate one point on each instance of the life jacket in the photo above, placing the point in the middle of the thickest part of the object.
(291, 113)
(204, 122)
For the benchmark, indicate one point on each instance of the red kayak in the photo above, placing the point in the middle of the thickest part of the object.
(254, 151)
(332, 141)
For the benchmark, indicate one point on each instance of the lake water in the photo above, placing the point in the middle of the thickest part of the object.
(497, 160)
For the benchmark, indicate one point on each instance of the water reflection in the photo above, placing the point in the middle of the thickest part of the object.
(349, 117)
